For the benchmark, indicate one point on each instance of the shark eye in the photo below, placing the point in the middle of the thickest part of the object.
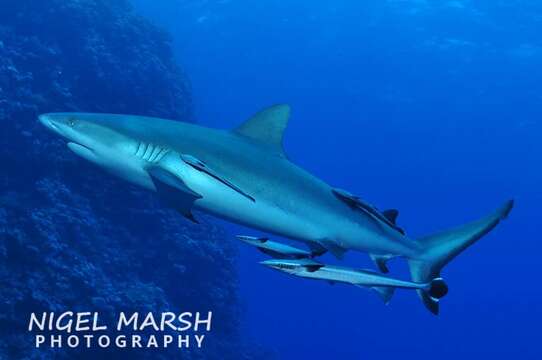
(71, 122)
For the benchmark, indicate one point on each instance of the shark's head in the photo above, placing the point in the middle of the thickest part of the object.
(87, 134)
(95, 138)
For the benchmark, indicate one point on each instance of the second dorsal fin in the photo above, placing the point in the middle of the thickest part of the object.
(267, 126)
(391, 215)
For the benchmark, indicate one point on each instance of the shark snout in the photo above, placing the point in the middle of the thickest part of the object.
(63, 124)
(57, 123)
(48, 122)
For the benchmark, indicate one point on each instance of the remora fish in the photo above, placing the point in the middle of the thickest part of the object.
(243, 175)
(383, 285)
(276, 249)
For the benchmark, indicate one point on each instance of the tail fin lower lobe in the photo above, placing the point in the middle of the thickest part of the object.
(439, 249)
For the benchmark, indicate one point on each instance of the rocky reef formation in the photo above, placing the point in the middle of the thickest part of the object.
(72, 238)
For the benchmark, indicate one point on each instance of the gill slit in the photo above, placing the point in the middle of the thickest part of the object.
(148, 152)
(138, 148)
(162, 153)
(155, 153)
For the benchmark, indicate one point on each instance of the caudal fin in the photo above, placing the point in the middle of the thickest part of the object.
(439, 249)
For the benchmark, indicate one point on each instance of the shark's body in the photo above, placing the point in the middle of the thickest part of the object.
(243, 176)
(289, 201)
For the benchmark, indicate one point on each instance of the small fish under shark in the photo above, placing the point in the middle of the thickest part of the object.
(383, 285)
(244, 175)
(276, 249)
(299, 262)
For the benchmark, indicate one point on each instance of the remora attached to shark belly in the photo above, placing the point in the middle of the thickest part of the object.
(275, 249)
(243, 175)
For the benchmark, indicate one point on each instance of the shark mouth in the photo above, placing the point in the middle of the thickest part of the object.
(83, 151)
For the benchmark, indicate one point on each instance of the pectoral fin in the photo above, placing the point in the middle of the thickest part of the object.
(201, 166)
(174, 192)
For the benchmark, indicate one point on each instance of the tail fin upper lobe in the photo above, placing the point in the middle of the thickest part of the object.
(439, 249)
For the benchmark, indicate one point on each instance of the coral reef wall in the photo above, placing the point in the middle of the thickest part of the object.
(72, 237)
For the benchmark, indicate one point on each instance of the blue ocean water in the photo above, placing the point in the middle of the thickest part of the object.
(432, 108)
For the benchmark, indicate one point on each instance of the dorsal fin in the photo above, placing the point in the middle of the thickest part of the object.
(267, 126)
(391, 215)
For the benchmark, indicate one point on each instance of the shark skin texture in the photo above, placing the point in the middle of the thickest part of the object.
(244, 176)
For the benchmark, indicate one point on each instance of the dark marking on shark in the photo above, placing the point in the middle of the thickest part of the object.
(201, 166)
(356, 203)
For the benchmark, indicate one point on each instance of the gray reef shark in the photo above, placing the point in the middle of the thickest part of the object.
(244, 176)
